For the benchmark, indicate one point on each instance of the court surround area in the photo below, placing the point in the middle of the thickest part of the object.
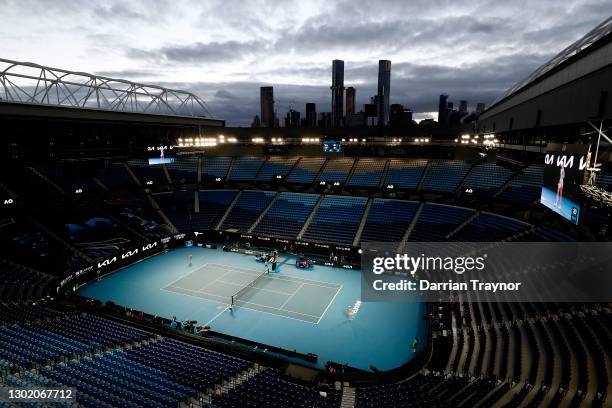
(295, 309)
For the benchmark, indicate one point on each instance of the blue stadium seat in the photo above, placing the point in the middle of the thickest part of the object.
(445, 177)
(368, 173)
(267, 390)
(336, 170)
(245, 168)
(215, 166)
(184, 170)
(387, 220)
(276, 166)
(116, 176)
(178, 207)
(526, 186)
(604, 180)
(438, 220)
(287, 215)
(213, 204)
(306, 170)
(145, 172)
(405, 174)
(246, 210)
(336, 220)
(488, 227)
(486, 179)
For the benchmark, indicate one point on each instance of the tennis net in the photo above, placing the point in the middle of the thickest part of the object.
(252, 284)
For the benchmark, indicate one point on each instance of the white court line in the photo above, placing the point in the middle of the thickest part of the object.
(215, 280)
(294, 278)
(185, 275)
(245, 301)
(330, 303)
(289, 298)
(244, 307)
(215, 318)
(255, 287)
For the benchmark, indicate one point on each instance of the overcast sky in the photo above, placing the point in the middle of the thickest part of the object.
(225, 50)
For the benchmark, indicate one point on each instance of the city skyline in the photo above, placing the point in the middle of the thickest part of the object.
(471, 51)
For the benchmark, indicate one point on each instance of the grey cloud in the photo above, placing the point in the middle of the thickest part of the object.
(472, 50)
(213, 52)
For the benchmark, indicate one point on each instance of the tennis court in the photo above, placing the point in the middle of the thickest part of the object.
(295, 309)
(286, 296)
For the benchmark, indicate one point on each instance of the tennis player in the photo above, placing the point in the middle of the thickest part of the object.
(559, 196)
(190, 257)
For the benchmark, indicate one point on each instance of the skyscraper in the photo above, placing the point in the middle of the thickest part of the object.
(480, 107)
(337, 89)
(350, 100)
(292, 119)
(463, 106)
(442, 106)
(384, 87)
(266, 95)
(311, 115)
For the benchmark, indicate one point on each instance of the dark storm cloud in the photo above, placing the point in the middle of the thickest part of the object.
(472, 50)
(213, 52)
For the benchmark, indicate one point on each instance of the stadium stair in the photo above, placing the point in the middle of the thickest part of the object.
(241, 377)
(310, 217)
(404, 240)
(468, 175)
(294, 166)
(351, 172)
(166, 173)
(348, 397)
(507, 184)
(196, 203)
(384, 174)
(47, 180)
(423, 174)
(463, 224)
(199, 170)
(161, 214)
(229, 209)
(132, 175)
(261, 167)
(363, 222)
(263, 213)
(320, 171)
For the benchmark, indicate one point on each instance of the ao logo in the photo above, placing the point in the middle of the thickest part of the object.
(8, 201)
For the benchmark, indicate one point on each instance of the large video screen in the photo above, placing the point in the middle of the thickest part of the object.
(160, 155)
(564, 167)
(332, 146)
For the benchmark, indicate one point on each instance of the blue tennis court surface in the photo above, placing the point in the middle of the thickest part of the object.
(287, 296)
(302, 310)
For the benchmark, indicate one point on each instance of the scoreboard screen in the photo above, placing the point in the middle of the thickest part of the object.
(160, 155)
(564, 167)
(331, 146)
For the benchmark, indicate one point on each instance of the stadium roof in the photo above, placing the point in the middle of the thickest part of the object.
(575, 50)
(33, 84)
